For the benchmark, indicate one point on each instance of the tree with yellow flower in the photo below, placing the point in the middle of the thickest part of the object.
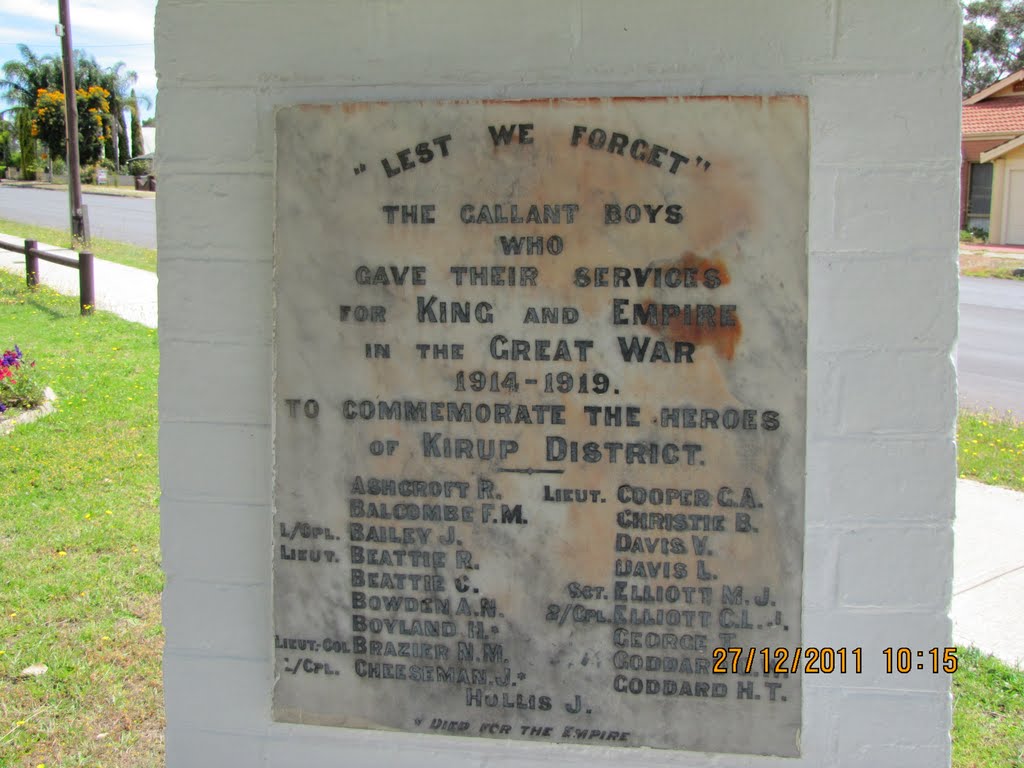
(48, 121)
(93, 121)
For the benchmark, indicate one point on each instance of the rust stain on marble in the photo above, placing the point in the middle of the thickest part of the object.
(695, 323)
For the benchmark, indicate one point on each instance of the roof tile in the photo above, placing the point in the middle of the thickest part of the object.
(1003, 115)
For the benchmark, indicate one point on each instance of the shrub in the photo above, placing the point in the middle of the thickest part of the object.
(19, 383)
(140, 168)
(90, 173)
(973, 235)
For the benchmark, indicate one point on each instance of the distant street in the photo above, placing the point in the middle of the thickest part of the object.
(128, 219)
(991, 350)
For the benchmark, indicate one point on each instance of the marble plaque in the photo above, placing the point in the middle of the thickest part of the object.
(539, 419)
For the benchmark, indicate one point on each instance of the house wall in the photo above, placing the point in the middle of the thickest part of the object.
(882, 80)
(971, 149)
(1005, 211)
(1014, 89)
(970, 152)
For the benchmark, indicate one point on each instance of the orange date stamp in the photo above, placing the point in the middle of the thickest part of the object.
(825, 660)
(785, 661)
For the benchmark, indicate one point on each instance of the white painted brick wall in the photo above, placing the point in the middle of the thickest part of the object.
(191, 556)
(882, 82)
(859, 320)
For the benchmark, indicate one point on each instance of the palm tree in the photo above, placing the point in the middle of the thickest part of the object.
(118, 79)
(21, 83)
(88, 72)
(23, 80)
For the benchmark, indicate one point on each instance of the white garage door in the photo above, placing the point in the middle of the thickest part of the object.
(1015, 209)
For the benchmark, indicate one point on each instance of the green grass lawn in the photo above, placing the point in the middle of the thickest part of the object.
(988, 713)
(122, 253)
(80, 577)
(1004, 271)
(981, 264)
(990, 448)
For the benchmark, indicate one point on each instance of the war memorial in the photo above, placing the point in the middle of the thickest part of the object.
(581, 382)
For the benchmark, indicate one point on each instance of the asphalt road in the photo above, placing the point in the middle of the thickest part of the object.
(991, 350)
(128, 219)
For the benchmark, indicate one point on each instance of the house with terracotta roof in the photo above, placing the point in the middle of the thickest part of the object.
(992, 157)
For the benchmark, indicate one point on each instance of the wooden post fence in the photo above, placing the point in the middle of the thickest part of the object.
(84, 265)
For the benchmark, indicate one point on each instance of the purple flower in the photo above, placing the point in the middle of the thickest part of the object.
(11, 359)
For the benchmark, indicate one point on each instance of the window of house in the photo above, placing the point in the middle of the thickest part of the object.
(979, 195)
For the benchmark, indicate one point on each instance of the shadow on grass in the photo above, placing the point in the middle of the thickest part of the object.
(56, 314)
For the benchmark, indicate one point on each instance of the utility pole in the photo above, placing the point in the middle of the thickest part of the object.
(79, 216)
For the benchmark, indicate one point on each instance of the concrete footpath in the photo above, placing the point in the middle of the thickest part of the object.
(988, 578)
(988, 570)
